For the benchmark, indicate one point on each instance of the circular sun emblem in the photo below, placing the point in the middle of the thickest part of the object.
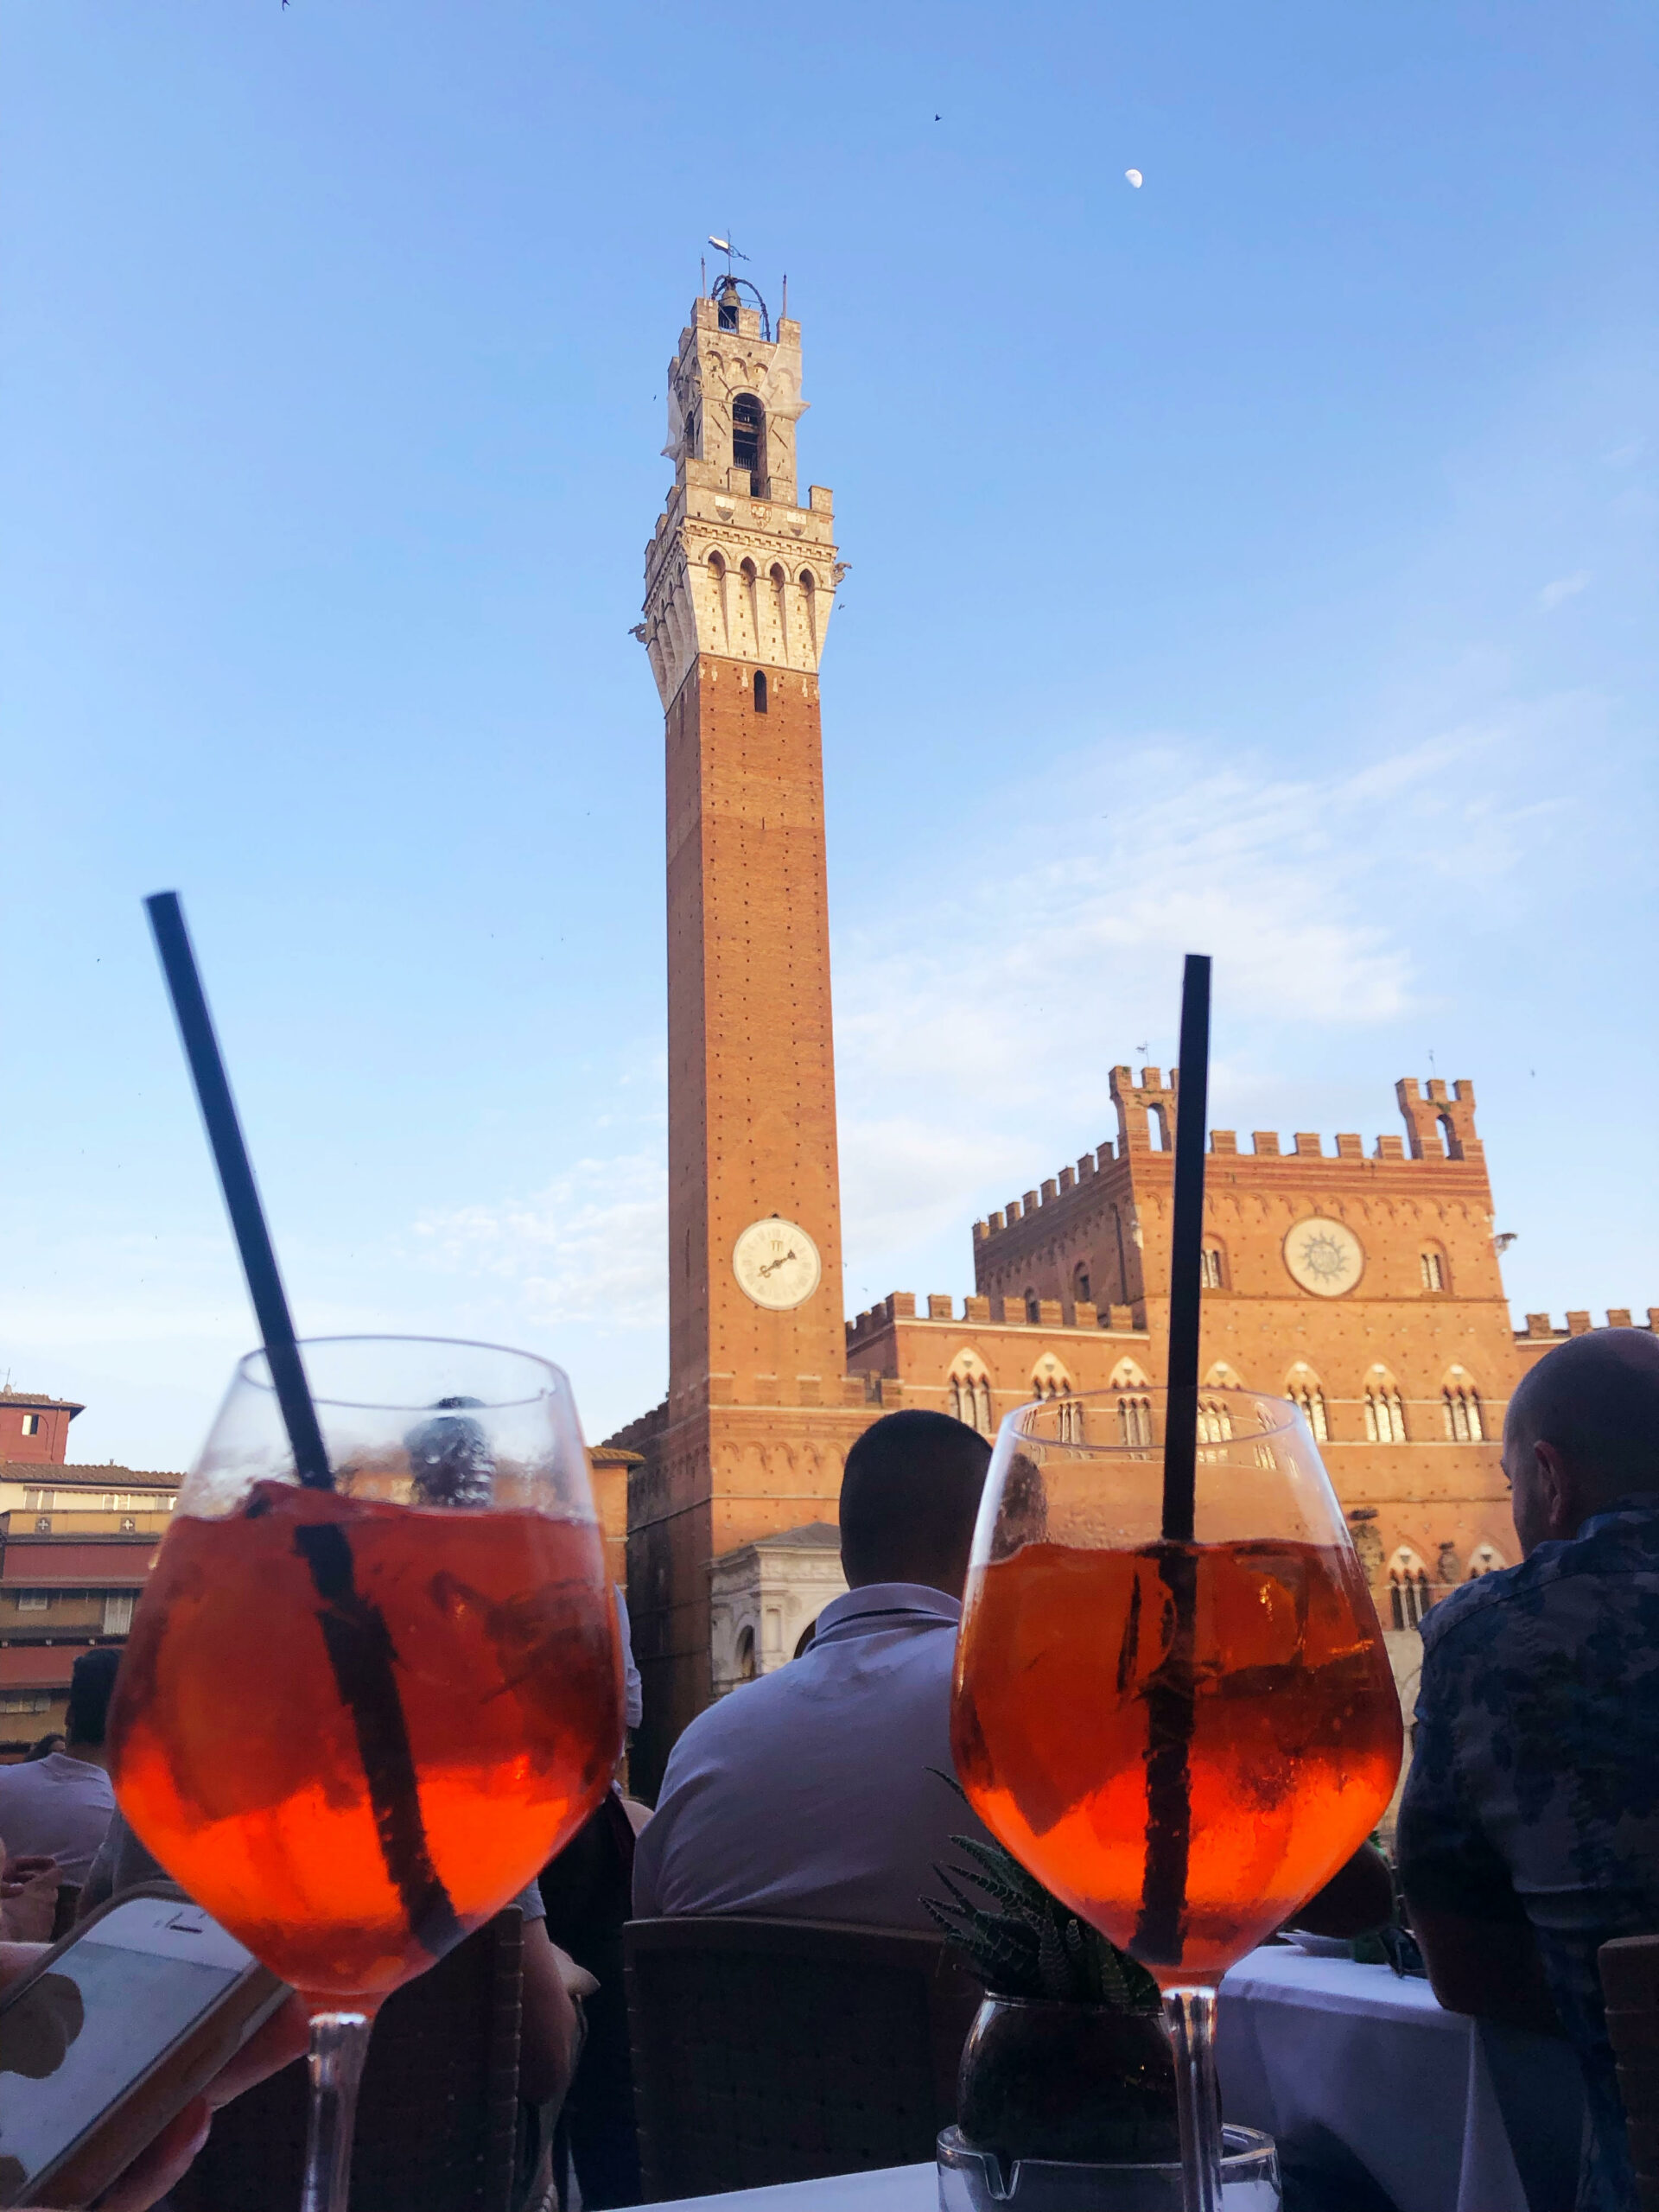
(1324, 1257)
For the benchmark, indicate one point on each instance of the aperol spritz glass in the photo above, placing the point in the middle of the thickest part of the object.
(1182, 1740)
(354, 1723)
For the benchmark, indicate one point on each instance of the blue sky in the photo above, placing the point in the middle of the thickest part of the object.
(1262, 563)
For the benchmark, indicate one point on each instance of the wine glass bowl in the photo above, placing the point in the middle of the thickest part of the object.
(1184, 1740)
(355, 1722)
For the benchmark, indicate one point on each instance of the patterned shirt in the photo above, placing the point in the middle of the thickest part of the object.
(1534, 1791)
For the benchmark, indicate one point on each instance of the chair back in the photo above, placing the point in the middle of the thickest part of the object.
(1629, 1985)
(437, 2116)
(779, 2050)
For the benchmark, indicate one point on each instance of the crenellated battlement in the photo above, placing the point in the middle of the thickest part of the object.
(1541, 1329)
(1438, 1128)
(990, 1314)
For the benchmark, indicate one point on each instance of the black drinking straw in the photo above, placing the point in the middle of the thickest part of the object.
(241, 1192)
(354, 1632)
(1170, 1693)
(1181, 1412)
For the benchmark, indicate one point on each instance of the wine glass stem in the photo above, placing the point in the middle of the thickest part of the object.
(338, 2043)
(1191, 2017)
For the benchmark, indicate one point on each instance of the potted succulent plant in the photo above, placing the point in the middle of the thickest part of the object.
(1068, 2058)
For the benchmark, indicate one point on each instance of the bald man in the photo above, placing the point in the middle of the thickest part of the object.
(1529, 1828)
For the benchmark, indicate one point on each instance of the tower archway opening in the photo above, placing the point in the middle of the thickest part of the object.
(749, 440)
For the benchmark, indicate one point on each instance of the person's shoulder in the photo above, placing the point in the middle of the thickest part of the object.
(1475, 1611)
(741, 1712)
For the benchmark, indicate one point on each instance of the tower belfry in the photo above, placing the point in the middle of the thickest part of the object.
(737, 570)
(740, 576)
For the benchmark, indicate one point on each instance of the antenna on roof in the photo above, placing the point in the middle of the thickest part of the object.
(725, 246)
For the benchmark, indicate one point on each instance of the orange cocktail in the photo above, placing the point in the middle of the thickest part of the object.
(1072, 1669)
(242, 1768)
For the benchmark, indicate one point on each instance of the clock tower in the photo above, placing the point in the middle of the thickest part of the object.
(740, 576)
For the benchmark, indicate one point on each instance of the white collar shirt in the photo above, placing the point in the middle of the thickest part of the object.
(816, 1792)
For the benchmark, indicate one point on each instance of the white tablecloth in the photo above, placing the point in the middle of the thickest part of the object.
(893, 2188)
(1348, 2066)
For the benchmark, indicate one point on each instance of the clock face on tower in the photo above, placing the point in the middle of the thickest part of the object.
(776, 1263)
(1324, 1256)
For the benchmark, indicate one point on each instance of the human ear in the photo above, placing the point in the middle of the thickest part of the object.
(1559, 1492)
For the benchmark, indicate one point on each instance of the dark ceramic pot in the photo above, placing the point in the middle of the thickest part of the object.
(1044, 2079)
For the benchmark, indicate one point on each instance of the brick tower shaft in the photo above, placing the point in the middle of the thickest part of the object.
(740, 585)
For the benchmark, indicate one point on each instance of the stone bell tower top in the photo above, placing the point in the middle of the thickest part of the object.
(736, 566)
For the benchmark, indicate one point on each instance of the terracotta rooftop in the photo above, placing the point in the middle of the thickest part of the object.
(816, 1536)
(44, 1475)
(33, 1398)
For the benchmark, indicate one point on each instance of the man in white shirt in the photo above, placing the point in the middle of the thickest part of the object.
(815, 1792)
(60, 1807)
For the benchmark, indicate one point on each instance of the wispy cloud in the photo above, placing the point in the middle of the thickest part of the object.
(591, 1246)
(975, 1032)
(1564, 587)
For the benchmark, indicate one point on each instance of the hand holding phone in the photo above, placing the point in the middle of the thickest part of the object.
(28, 1896)
(117, 2043)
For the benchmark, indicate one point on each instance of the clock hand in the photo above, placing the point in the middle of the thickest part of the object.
(771, 1264)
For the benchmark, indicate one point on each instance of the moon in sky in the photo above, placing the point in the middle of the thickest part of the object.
(1134, 177)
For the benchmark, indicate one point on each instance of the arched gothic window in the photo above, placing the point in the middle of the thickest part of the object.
(1209, 1267)
(1385, 1412)
(1460, 1412)
(1033, 1306)
(1431, 1267)
(1081, 1291)
(1215, 1421)
(1486, 1560)
(1304, 1390)
(759, 692)
(1134, 1410)
(1050, 1380)
(746, 1661)
(968, 1394)
(749, 438)
(1409, 1593)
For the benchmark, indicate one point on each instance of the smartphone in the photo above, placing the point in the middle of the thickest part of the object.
(111, 2034)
